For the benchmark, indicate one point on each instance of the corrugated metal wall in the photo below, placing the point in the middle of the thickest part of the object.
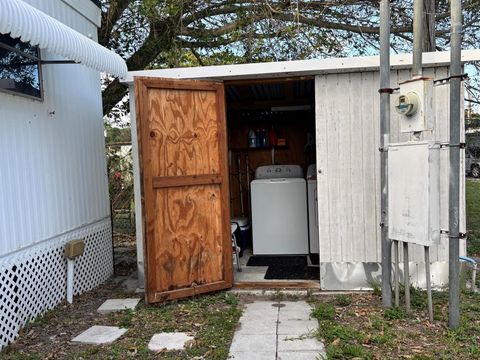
(52, 163)
(348, 128)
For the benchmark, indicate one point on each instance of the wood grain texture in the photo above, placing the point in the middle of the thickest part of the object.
(307, 284)
(185, 184)
(172, 181)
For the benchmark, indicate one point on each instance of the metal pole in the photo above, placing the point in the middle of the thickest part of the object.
(429, 287)
(454, 185)
(417, 37)
(239, 167)
(397, 274)
(406, 275)
(384, 136)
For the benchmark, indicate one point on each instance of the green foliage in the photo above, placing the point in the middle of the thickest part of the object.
(343, 341)
(343, 300)
(127, 318)
(418, 298)
(394, 314)
(324, 311)
(348, 351)
(331, 330)
(422, 357)
(377, 288)
(473, 217)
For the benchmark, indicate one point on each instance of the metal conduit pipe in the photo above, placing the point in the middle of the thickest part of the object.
(384, 140)
(454, 184)
(417, 37)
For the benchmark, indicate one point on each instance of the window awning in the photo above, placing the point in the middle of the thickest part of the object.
(20, 19)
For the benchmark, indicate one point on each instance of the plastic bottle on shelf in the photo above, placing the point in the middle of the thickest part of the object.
(264, 138)
(252, 139)
(272, 137)
(258, 136)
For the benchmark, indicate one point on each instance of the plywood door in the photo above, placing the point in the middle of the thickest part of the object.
(182, 147)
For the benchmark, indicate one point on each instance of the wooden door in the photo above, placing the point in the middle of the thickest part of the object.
(183, 161)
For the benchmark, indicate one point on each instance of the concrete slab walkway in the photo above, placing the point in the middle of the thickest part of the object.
(272, 330)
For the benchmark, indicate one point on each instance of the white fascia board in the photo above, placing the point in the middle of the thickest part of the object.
(299, 67)
(87, 9)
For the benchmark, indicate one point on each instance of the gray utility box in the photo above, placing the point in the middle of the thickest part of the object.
(414, 192)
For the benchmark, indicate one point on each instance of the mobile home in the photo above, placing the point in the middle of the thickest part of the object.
(53, 181)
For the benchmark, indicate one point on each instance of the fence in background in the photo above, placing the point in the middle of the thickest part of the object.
(120, 184)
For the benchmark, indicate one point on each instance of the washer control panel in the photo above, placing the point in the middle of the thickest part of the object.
(278, 171)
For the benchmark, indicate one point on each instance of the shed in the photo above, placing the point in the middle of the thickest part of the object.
(186, 174)
(53, 182)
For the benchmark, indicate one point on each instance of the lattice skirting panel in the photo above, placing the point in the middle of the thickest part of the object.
(33, 280)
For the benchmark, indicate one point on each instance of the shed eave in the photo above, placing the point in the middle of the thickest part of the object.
(299, 67)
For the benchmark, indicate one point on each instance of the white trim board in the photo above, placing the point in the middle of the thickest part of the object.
(300, 67)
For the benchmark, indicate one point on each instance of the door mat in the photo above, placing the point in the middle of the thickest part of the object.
(263, 260)
(279, 272)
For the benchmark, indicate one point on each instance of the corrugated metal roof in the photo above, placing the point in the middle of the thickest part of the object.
(276, 91)
(283, 69)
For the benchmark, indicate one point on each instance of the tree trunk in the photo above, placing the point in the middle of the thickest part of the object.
(429, 26)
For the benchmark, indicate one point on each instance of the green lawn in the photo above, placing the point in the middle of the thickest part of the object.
(356, 326)
(473, 217)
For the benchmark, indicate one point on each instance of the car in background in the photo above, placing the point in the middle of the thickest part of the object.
(472, 161)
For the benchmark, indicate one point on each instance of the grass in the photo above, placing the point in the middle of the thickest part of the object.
(212, 320)
(343, 300)
(364, 330)
(473, 217)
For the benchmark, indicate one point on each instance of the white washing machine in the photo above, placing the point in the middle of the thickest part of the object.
(279, 211)
(312, 209)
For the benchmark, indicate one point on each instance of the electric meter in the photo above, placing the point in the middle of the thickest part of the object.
(407, 104)
(415, 105)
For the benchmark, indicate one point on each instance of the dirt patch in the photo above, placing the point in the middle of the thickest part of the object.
(211, 319)
(356, 326)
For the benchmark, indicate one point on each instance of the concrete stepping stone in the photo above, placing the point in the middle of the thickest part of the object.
(97, 335)
(292, 343)
(297, 327)
(276, 331)
(112, 305)
(301, 355)
(252, 355)
(169, 341)
(250, 343)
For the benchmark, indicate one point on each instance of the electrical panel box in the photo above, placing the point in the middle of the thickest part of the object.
(74, 248)
(414, 192)
(415, 104)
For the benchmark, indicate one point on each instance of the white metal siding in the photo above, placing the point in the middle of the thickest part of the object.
(53, 186)
(69, 12)
(348, 128)
(52, 163)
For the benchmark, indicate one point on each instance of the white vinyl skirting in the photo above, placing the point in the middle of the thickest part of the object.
(33, 280)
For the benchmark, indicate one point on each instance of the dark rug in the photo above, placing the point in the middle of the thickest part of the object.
(273, 260)
(279, 272)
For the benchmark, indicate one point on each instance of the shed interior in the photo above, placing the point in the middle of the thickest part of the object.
(269, 122)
